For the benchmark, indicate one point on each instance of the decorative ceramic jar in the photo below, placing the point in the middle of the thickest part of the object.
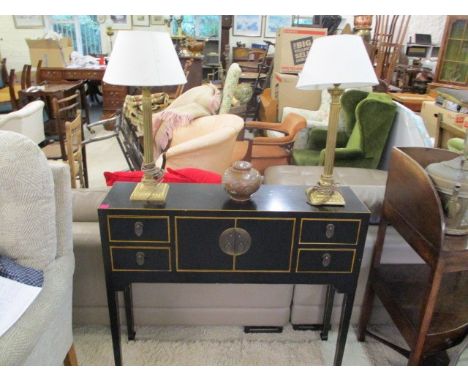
(241, 181)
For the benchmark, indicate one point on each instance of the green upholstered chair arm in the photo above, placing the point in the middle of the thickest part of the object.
(343, 154)
(318, 138)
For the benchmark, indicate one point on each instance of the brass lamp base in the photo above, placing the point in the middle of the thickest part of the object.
(150, 191)
(324, 196)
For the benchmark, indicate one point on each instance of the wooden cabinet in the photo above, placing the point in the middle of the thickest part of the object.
(201, 236)
(452, 66)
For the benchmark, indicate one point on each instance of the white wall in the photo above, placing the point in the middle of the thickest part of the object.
(13, 42)
(14, 48)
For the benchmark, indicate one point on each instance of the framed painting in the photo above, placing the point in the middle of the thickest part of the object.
(158, 20)
(247, 25)
(120, 22)
(140, 21)
(275, 22)
(26, 21)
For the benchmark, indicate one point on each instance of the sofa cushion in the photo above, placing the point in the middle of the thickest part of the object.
(367, 184)
(181, 175)
(27, 208)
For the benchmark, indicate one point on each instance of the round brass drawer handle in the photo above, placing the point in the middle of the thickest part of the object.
(326, 260)
(235, 241)
(330, 230)
(140, 258)
(138, 228)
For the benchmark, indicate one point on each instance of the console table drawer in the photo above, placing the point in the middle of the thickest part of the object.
(322, 260)
(140, 259)
(269, 248)
(329, 231)
(150, 229)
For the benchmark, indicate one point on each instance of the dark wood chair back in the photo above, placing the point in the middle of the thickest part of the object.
(4, 71)
(15, 104)
(26, 77)
(409, 211)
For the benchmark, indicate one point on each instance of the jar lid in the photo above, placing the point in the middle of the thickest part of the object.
(446, 174)
(242, 165)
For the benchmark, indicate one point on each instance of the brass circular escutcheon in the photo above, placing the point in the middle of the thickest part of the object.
(235, 241)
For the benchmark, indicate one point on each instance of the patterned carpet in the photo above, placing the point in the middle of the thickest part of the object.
(213, 346)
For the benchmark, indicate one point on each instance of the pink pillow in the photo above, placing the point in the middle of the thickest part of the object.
(181, 175)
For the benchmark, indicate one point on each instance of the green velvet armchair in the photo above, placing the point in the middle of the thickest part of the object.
(368, 120)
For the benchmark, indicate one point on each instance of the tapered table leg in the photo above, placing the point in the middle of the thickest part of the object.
(327, 312)
(346, 310)
(113, 304)
(129, 312)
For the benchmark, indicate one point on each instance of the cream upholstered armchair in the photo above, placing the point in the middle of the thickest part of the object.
(27, 121)
(206, 143)
(36, 232)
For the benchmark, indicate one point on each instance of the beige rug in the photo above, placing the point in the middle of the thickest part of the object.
(211, 346)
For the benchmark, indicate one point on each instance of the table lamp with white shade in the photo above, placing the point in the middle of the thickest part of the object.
(145, 58)
(336, 63)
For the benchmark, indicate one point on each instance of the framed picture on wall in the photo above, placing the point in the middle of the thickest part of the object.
(247, 25)
(157, 20)
(25, 21)
(120, 22)
(275, 22)
(140, 21)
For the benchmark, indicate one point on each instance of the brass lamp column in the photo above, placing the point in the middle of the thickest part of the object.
(150, 188)
(334, 63)
(144, 59)
(325, 192)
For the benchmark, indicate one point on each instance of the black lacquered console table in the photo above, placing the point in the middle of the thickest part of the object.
(201, 236)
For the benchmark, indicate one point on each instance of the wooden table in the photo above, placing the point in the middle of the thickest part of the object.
(412, 101)
(47, 91)
(287, 241)
(113, 96)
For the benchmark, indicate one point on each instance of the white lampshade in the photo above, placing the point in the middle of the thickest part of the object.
(141, 58)
(340, 59)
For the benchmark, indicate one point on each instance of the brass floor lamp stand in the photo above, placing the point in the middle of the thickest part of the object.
(150, 188)
(325, 193)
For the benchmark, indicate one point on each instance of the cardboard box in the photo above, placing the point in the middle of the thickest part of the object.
(292, 46)
(429, 111)
(53, 53)
(288, 95)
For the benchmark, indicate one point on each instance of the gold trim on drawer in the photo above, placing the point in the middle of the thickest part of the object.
(330, 220)
(139, 217)
(235, 219)
(139, 248)
(325, 250)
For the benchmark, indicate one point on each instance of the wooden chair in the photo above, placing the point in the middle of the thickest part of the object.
(65, 110)
(26, 77)
(427, 302)
(74, 140)
(266, 151)
(9, 100)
